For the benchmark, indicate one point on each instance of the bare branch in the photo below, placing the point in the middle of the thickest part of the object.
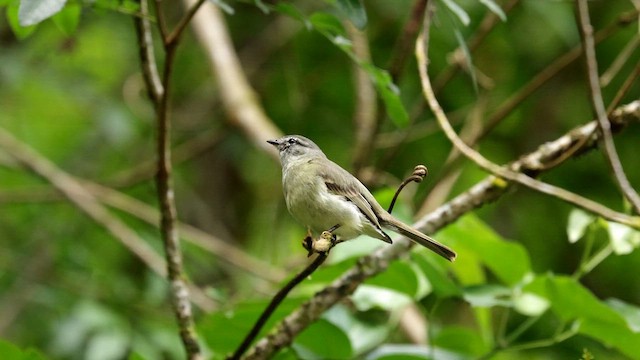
(85, 201)
(503, 172)
(239, 99)
(366, 100)
(608, 148)
(147, 55)
(182, 25)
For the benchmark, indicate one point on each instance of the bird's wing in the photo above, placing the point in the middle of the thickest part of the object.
(335, 183)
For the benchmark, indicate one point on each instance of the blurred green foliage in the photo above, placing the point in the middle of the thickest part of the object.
(71, 88)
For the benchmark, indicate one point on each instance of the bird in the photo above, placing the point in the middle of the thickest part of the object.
(321, 195)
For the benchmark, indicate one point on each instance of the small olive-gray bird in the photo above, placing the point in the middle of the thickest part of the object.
(320, 194)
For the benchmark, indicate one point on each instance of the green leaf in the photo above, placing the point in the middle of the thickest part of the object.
(34, 11)
(366, 330)
(578, 223)
(224, 330)
(314, 340)
(461, 340)
(293, 12)
(467, 58)
(623, 238)
(457, 11)
(12, 352)
(487, 295)
(440, 281)
(332, 29)
(20, 31)
(354, 11)
(494, 8)
(571, 301)
(67, 20)
(327, 24)
(508, 260)
(389, 93)
(399, 276)
(224, 6)
(530, 304)
(367, 297)
(630, 313)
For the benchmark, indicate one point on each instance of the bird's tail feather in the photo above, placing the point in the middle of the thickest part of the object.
(420, 238)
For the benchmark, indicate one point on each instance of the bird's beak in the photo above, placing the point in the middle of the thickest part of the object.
(273, 142)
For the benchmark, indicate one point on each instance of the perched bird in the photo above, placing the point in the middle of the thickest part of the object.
(322, 195)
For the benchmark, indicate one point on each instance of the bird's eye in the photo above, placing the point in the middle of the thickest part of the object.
(292, 141)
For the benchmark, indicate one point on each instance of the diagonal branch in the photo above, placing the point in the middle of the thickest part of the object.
(480, 194)
(608, 148)
(500, 171)
(74, 190)
(239, 100)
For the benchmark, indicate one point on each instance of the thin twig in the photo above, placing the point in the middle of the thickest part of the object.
(147, 55)
(484, 192)
(608, 148)
(179, 289)
(622, 91)
(182, 25)
(275, 302)
(226, 252)
(503, 172)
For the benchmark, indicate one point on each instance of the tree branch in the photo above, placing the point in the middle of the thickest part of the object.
(503, 172)
(608, 148)
(85, 201)
(240, 101)
(480, 194)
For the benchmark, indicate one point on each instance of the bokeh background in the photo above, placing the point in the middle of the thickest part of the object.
(74, 93)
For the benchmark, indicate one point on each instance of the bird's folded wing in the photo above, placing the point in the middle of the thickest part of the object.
(353, 195)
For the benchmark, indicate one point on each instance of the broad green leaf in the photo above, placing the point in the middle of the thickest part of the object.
(366, 330)
(12, 352)
(440, 281)
(578, 223)
(461, 340)
(488, 295)
(367, 297)
(611, 334)
(399, 276)
(623, 238)
(630, 313)
(34, 11)
(530, 304)
(508, 260)
(314, 340)
(67, 20)
(457, 11)
(494, 8)
(571, 301)
(354, 11)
